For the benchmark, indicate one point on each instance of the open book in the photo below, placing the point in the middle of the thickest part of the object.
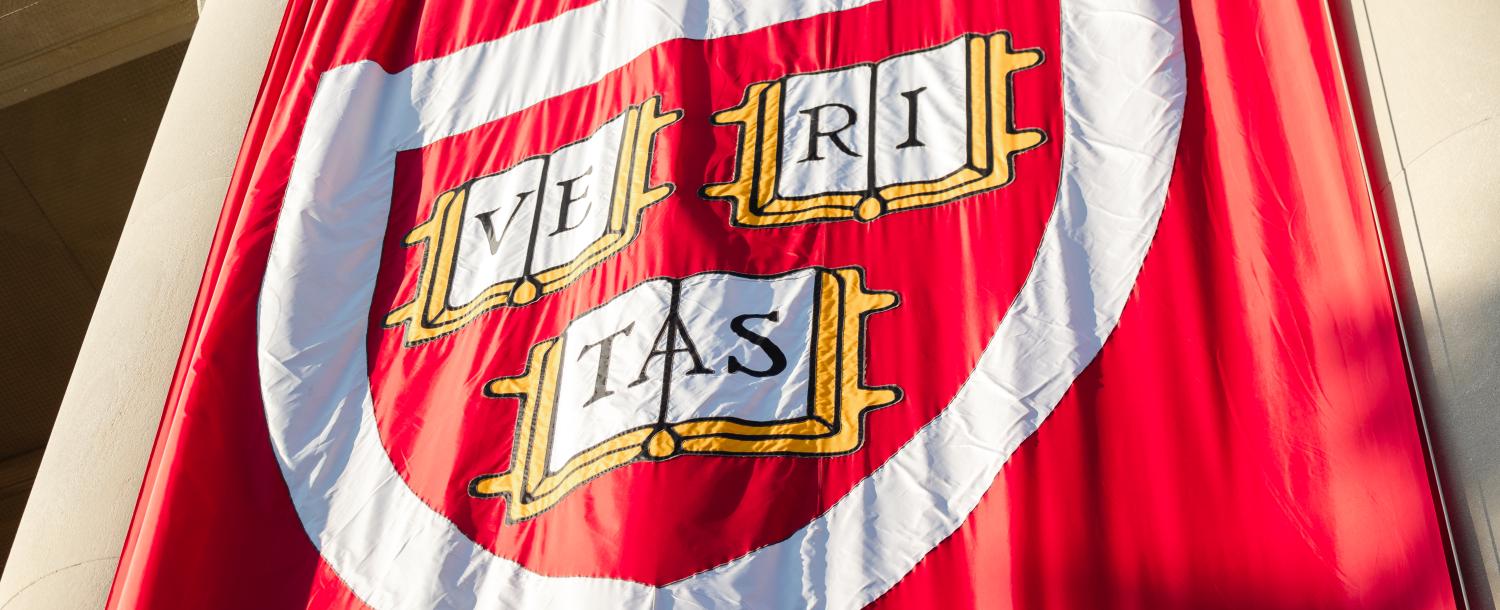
(510, 237)
(911, 131)
(711, 364)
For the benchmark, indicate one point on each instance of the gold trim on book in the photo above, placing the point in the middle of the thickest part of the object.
(429, 315)
(834, 424)
(993, 143)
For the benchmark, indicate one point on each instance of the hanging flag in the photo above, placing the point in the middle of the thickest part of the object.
(794, 303)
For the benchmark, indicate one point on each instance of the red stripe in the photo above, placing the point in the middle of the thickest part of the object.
(1245, 440)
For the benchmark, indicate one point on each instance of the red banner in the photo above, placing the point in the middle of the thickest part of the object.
(832, 303)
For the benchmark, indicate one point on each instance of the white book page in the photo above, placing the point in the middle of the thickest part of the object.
(825, 133)
(615, 340)
(576, 198)
(935, 84)
(495, 231)
(730, 320)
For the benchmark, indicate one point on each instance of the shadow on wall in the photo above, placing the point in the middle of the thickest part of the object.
(70, 160)
(1451, 347)
(1456, 378)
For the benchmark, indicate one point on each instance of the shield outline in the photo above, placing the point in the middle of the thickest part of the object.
(1124, 84)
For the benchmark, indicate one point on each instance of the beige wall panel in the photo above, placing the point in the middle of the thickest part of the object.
(45, 44)
(1433, 79)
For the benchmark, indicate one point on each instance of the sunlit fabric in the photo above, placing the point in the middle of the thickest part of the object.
(778, 304)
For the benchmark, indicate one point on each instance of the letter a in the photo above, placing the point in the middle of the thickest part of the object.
(670, 332)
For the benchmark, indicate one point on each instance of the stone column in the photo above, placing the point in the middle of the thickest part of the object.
(70, 538)
(1431, 106)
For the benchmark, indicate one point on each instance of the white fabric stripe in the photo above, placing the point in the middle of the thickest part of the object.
(1124, 83)
(1123, 88)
